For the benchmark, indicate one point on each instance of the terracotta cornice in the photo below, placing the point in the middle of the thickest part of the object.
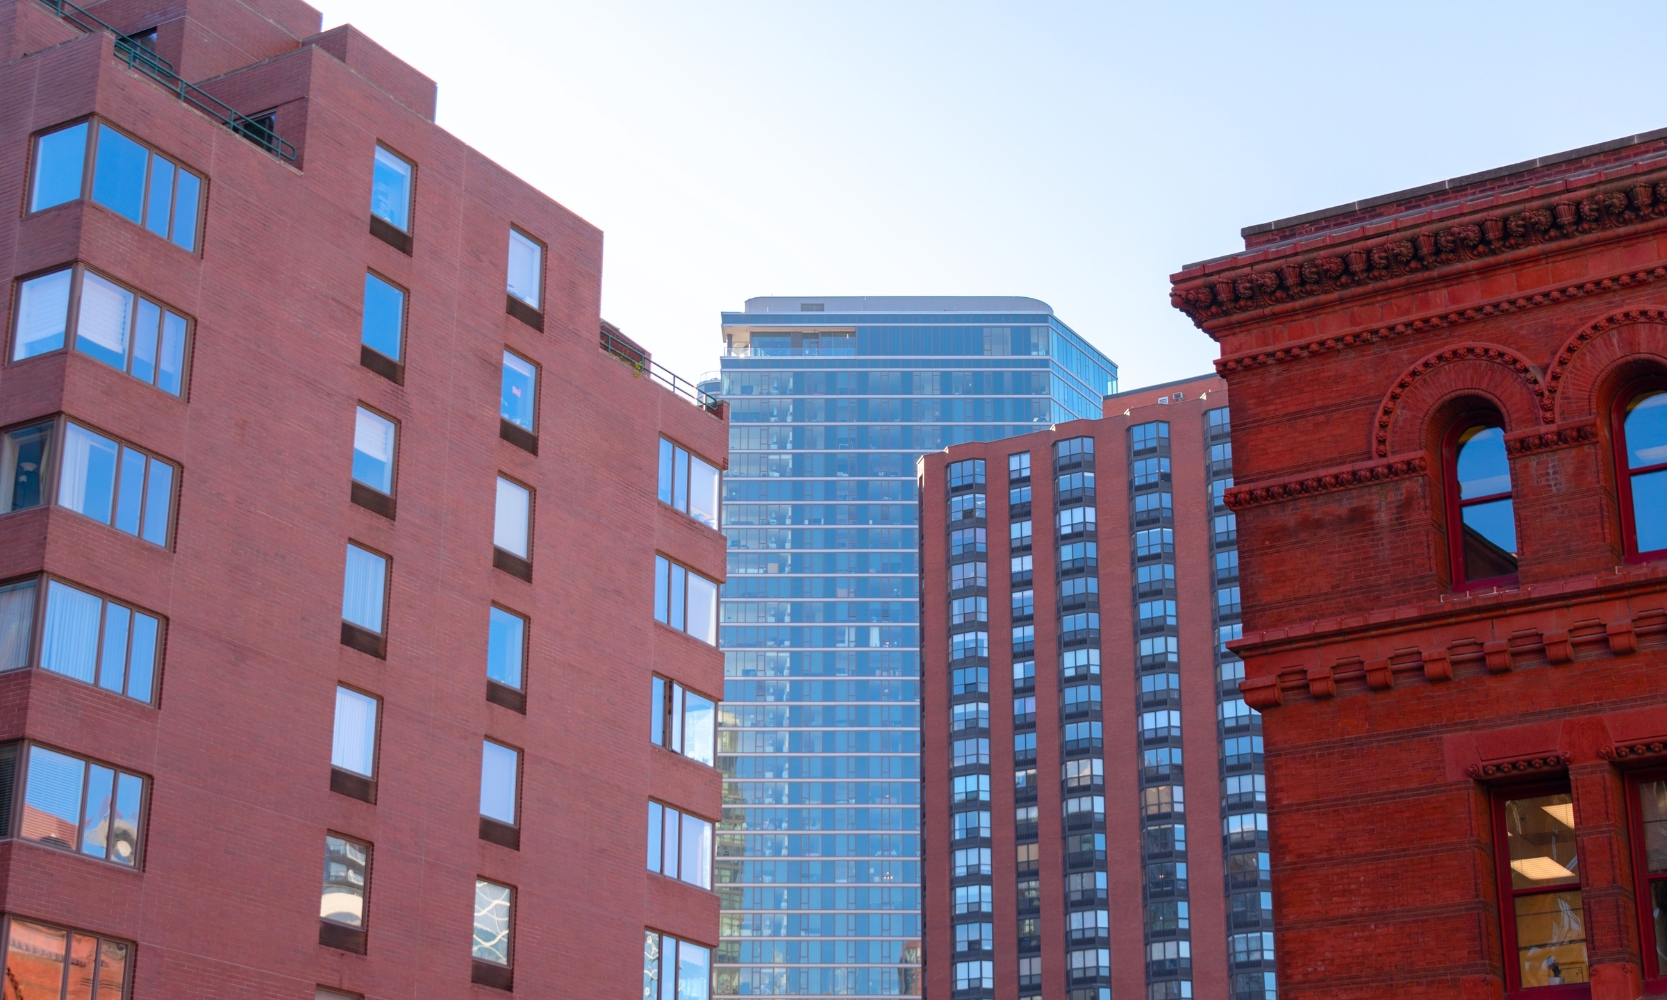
(1330, 480)
(1418, 249)
(1495, 770)
(1546, 439)
(1650, 751)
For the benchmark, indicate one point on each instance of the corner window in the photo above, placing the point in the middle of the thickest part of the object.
(115, 484)
(1641, 451)
(390, 190)
(685, 600)
(679, 845)
(54, 963)
(688, 483)
(374, 437)
(364, 595)
(128, 178)
(1539, 889)
(494, 912)
(526, 269)
(520, 391)
(1482, 523)
(682, 721)
(512, 526)
(674, 969)
(112, 324)
(341, 905)
(73, 804)
(85, 637)
(382, 328)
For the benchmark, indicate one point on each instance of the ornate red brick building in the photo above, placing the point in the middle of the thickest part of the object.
(1449, 439)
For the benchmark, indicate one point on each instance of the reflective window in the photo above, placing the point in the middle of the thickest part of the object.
(42, 314)
(74, 804)
(683, 721)
(373, 450)
(1545, 920)
(679, 845)
(112, 324)
(1643, 444)
(493, 922)
(499, 770)
(115, 484)
(52, 963)
(353, 747)
(390, 190)
(688, 483)
(1482, 478)
(346, 881)
(60, 162)
(129, 179)
(382, 328)
(685, 600)
(520, 388)
(364, 587)
(1651, 835)
(506, 646)
(86, 637)
(674, 969)
(526, 268)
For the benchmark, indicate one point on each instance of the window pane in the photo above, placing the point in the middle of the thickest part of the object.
(703, 492)
(102, 325)
(373, 451)
(525, 268)
(666, 450)
(668, 966)
(88, 480)
(1540, 835)
(354, 746)
(346, 865)
(656, 710)
(703, 609)
(95, 824)
(119, 173)
(676, 741)
(143, 366)
(60, 158)
(390, 190)
(130, 491)
(141, 661)
(159, 500)
(654, 834)
(668, 845)
(83, 958)
(1551, 938)
(158, 207)
(42, 314)
(492, 916)
(383, 325)
(34, 961)
(520, 384)
(112, 971)
(124, 842)
(52, 799)
(498, 765)
(698, 728)
(697, 851)
(23, 456)
(1483, 469)
(1490, 540)
(1646, 430)
(509, 530)
(17, 624)
(505, 645)
(1649, 510)
(170, 377)
(662, 574)
(679, 576)
(362, 586)
(69, 641)
(185, 210)
(112, 665)
(680, 481)
(694, 971)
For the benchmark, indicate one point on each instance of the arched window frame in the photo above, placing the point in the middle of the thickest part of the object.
(1623, 474)
(1480, 416)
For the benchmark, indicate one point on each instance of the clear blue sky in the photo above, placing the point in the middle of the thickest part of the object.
(1075, 152)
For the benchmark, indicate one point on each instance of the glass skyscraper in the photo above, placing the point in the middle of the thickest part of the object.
(831, 401)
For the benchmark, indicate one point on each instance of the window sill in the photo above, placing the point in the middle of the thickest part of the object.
(512, 564)
(523, 312)
(382, 365)
(354, 786)
(392, 235)
(518, 436)
(364, 640)
(502, 694)
(341, 937)
(373, 500)
(499, 977)
(501, 834)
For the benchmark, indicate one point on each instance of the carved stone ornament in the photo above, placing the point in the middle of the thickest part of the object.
(1546, 440)
(1628, 751)
(1564, 217)
(1518, 768)
(1459, 352)
(1349, 477)
(1560, 367)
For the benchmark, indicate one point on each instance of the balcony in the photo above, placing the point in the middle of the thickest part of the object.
(617, 344)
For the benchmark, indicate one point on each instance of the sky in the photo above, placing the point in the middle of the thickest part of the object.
(1076, 152)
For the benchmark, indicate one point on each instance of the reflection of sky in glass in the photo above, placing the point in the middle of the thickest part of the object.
(1495, 522)
(1646, 431)
(491, 922)
(390, 191)
(1649, 509)
(54, 794)
(1482, 468)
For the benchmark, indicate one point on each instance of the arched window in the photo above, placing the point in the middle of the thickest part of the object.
(1479, 503)
(1641, 463)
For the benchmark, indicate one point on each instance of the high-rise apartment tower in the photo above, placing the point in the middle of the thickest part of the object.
(833, 400)
(329, 539)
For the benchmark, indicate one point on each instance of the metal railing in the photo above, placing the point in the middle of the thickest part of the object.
(633, 356)
(140, 57)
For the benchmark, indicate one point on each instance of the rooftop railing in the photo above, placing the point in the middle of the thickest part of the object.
(632, 355)
(143, 58)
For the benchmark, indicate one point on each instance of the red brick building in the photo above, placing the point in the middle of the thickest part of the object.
(1077, 584)
(331, 553)
(1449, 441)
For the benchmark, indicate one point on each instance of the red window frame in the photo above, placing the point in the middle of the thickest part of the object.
(1508, 895)
(1655, 976)
(1455, 506)
(1623, 475)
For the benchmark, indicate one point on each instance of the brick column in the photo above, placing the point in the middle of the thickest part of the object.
(1607, 886)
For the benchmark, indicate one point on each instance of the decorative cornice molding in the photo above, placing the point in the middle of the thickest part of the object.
(1477, 236)
(1331, 480)
(1490, 770)
(1460, 352)
(1497, 307)
(1546, 440)
(1626, 751)
(1560, 366)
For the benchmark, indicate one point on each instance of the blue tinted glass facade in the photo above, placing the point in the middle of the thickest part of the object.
(819, 848)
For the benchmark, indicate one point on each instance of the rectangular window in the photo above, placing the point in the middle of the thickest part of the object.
(353, 747)
(975, 976)
(683, 721)
(1649, 838)
(53, 963)
(346, 881)
(970, 752)
(129, 179)
(390, 189)
(674, 969)
(112, 324)
(526, 269)
(116, 484)
(382, 326)
(506, 647)
(60, 165)
(688, 483)
(500, 768)
(84, 636)
(1018, 467)
(1545, 925)
(1018, 534)
(374, 440)
(74, 804)
(364, 590)
(512, 525)
(494, 922)
(679, 845)
(520, 392)
(685, 600)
